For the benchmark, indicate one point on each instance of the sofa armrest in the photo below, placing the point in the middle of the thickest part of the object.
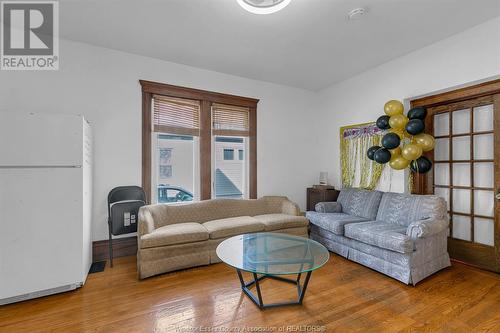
(290, 208)
(145, 224)
(328, 207)
(425, 228)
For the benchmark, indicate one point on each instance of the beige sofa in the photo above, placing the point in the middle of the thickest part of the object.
(172, 237)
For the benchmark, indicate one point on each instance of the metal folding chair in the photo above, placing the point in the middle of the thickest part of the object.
(123, 208)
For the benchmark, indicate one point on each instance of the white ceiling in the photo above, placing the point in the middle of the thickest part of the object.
(310, 44)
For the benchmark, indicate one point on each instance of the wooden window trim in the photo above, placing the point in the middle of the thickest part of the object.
(206, 98)
(441, 103)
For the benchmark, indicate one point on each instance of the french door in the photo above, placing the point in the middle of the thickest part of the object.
(466, 174)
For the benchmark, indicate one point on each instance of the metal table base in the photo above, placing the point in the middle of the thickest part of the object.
(245, 286)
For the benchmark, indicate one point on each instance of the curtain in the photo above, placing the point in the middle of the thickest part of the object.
(357, 169)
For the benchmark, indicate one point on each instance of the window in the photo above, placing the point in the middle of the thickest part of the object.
(230, 174)
(176, 127)
(177, 161)
(231, 128)
(228, 154)
(182, 156)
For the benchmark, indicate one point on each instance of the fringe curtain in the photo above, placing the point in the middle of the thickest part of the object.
(354, 142)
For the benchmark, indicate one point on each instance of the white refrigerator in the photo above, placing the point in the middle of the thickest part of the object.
(45, 204)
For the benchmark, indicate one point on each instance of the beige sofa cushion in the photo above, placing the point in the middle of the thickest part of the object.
(233, 226)
(209, 210)
(175, 234)
(281, 221)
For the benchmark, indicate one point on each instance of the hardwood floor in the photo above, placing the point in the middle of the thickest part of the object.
(342, 297)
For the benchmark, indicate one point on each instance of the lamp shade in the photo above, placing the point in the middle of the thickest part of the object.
(323, 178)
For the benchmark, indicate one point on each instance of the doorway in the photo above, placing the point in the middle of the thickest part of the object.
(466, 172)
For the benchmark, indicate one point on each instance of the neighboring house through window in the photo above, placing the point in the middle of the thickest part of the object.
(165, 163)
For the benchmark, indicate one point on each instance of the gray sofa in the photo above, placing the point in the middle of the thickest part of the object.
(403, 236)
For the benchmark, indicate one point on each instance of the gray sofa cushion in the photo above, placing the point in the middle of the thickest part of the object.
(402, 209)
(360, 202)
(328, 207)
(333, 222)
(384, 235)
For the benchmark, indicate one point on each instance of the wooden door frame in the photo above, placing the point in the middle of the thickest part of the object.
(206, 98)
(461, 94)
(421, 182)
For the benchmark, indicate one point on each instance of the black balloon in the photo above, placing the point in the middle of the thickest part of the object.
(383, 122)
(421, 165)
(391, 141)
(382, 156)
(371, 151)
(417, 113)
(415, 126)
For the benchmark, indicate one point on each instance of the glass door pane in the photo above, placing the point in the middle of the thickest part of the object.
(461, 174)
(483, 147)
(461, 227)
(483, 118)
(442, 174)
(484, 231)
(484, 203)
(484, 174)
(461, 201)
(461, 148)
(442, 150)
(442, 124)
(461, 121)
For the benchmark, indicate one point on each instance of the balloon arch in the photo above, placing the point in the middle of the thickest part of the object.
(405, 141)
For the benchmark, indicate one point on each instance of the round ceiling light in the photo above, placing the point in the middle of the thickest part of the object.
(263, 6)
(356, 14)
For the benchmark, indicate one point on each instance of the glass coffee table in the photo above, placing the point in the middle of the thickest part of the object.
(271, 255)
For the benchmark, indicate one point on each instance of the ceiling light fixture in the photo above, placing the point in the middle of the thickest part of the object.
(356, 14)
(263, 6)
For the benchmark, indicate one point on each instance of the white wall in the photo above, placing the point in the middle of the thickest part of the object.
(297, 130)
(103, 85)
(469, 56)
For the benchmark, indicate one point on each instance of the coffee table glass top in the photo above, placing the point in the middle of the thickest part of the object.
(272, 253)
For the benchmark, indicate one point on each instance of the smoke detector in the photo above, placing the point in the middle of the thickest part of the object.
(356, 14)
(263, 6)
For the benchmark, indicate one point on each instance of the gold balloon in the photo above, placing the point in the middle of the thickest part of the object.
(395, 152)
(397, 131)
(411, 151)
(393, 108)
(425, 141)
(398, 121)
(399, 163)
(400, 132)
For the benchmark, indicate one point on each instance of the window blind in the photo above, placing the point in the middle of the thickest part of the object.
(230, 120)
(176, 115)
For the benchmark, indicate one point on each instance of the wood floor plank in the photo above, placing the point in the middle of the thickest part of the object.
(342, 297)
